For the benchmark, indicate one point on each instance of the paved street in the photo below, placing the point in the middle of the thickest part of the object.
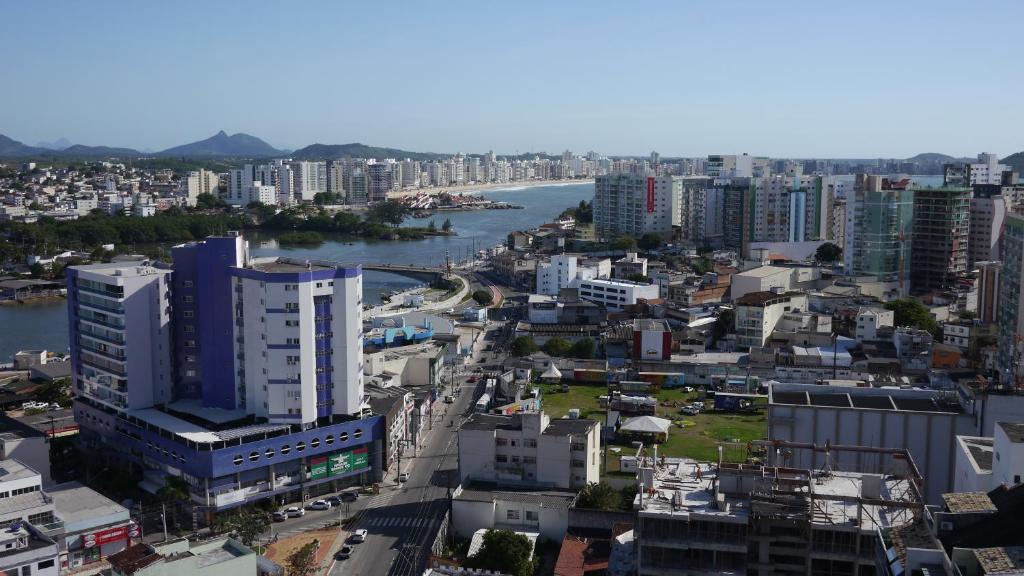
(402, 522)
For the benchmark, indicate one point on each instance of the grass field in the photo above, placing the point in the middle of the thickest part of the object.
(699, 439)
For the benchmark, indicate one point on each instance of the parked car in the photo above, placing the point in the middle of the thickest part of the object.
(320, 505)
(449, 399)
(403, 477)
(349, 496)
(334, 501)
(471, 380)
(690, 410)
(687, 389)
(359, 535)
(280, 516)
(294, 512)
(344, 553)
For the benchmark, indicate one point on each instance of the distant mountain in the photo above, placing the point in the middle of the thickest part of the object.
(1015, 161)
(357, 150)
(220, 144)
(10, 148)
(83, 151)
(58, 144)
(931, 157)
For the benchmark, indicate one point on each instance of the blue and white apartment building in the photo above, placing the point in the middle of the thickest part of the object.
(243, 376)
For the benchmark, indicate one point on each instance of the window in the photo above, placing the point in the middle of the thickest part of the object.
(291, 306)
(579, 446)
(314, 443)
(300, 446)
(45, 564)
(291, 323)
(190, 343)
(254, 456)
(319, 284)
(187, 283)
(190, 329)
(292, 341)
(269, 453)
(512, 515)
(512, 443)
(531, 516)
(285, 449)
(578, 463)
(529, 460)
(329, 439)
(531, 443)
(500, 441)
(188, 314)
(343, 437)
(237, 460)
(358, 433)
(188, 299)
(190, 373)
(26, 570)
(501, 458)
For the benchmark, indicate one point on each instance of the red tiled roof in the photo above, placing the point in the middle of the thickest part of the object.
(134, 558)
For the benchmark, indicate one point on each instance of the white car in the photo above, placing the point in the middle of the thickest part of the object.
(359, 536)
(294, 512)
(320, 505)
(403, 477)
(687, 389)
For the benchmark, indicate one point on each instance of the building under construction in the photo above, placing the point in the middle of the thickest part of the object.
(759, 519)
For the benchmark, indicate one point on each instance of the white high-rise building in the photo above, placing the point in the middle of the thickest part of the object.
(300, 349)
(120, 333)
(634, 205)
(309, 179)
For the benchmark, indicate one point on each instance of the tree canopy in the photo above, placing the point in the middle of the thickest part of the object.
(504, 551)
(649, 241)
(828, 252)
(522, 346)
(556, 346)
(912, 313)
(483, 297)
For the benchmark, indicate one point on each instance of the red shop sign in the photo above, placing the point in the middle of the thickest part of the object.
(105, 536)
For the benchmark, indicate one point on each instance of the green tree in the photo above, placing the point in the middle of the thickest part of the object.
(557, 346)
(447, 225)
(431, 226)
(504, 551)
(35, 206)
(599, 496)
(649, 241)
(724, 324)
(914, 314)
(828, 252)
(623, 243)
(302, 562)
(264, 211)
(58, 391)
(638, 278)
(522, 346)
(247, 525)
(388, 213)
(37, 270)
(174, 492)
(208, 201)
(582, 348)
(325, 198)
(483, 297)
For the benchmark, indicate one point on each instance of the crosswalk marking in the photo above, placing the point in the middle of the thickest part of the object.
(399, 522)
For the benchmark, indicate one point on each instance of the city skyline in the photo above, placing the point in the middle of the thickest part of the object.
(803, 83)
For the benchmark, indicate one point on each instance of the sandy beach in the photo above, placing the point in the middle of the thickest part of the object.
(521, 185)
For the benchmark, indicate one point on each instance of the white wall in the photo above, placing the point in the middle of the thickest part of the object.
(1008, 457)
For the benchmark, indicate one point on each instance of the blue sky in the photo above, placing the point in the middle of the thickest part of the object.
(778, 78)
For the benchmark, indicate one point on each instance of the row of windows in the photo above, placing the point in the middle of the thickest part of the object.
(254, 456)
(19, 491)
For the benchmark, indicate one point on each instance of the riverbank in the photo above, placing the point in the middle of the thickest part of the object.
(493, 187)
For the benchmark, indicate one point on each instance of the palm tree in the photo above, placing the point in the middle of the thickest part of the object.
(174, 492)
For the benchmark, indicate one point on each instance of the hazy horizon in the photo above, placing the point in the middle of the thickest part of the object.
(800, 80)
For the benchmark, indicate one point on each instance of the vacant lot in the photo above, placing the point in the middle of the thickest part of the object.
(700, 436)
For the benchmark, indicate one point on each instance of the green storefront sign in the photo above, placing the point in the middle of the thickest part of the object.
(338, 464)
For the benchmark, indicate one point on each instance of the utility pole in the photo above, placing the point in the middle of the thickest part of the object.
(163, 516)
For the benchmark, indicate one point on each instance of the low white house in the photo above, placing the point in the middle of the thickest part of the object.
(477, 506)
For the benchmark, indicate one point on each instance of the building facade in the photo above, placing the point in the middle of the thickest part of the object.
(941, 227)
(634, 205)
